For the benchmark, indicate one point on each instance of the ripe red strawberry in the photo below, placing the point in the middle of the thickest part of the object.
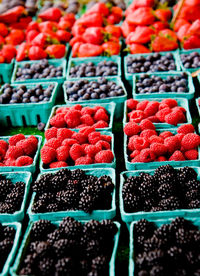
(179, 23)
(141, 35)
(163, 14)
(12, 15)
(94, 19)
(113, 30)
(8, 52)
(194, 28)
(56, 51)
(100, 8)
(111, 48)
(36, 53)
(89, 50)
(75, 39)
(3, 29)
(142, 16)
(127, 28)
(22, 51)
(94, 35)
(48, 26)
(40, 40)
(31, 35)
(158, 26)
(63, 36)
(138, 49)
(51, 14)
(182, 32)
(166, 40)
(192, 42)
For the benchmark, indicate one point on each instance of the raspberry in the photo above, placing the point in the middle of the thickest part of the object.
(170, 102)
(175, 117)
(162, 113)
(190, 141)
(162, 106)
(136, 159)
(146, 155)
(51, 133)
(180, 136)
(87, 111)
(2, 153)
(80, 137)
(69, 142)
(23, 161)
(2, 164)
(10, 162)
(103, 145)
(156, 139)
(14, 152)
(131, 142)
(104, 156)
(94, 137)
(172, 143)
(87, 119)
(53, 143)
(186, 128)
(191, 154)
(101, 114)
(84, 160)
(62, 110)
(33, 140)
(151, 108)
(140, 143)
(87, 130)
(81, 126)
(165, 134)
(91, 150)
(136, 116)
(76, 151)
(179, 108)
(147, 133)
(48, 154)
(161, 158)
(106, 138)
(131, 129)
(177, 156)
(64, 133)
(153, 119)
(142, 105)
(77, 107)
(3, 145)
(134, 153)
(62, 153)
(58, 164)
(101, 124)
(58, 120)
(146, 124)
(16, 138)
(72, 118)
(158, 148)
(131, 104)
(27, 146)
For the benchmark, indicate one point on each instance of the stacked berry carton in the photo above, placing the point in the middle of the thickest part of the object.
(158, 215)
(30, 112)
(189, 94)
(80, 215)
(188, 53)
(18, 215)
(6, 71)
(22, 250)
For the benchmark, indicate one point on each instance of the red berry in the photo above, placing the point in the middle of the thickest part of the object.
(14, 152)
(186, 128)
(48, 154)
(191, 154)
(170, 102)
(84, 160)
(104, 156)
(131, 129)
(190, 141)
(76, 151)
(146, 124)
(142, 105)
(146, 155)
(131, 104)
(53, 143)
(172, 143)
(64, 133)
(101, 114)
(177, 156)
(58, 164)
(62, 153)
(58, 120)
(3, 145)
(147, 133)
(23, 161)
(16, 138)
(51, 133)
(158, 148)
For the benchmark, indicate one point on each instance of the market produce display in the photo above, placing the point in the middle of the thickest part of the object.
(100, 119)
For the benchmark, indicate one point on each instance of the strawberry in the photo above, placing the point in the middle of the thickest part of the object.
(158, 26)
(31, 35)
(141, 35)
(69, 17)
(75, 48)
(22, 51)
(36, 52)
(40, 40)
(8, 52)
(22, 24)
(15, 37)
(163, 14)
(192, 42)
(48, 26)
(56, 51)
(100, 8)
(90, 20)
(3, 30)
(2, 41)
(78, 30)
(113, 30)
(33, 26)
(51, 14)
(179, 23)
(2, 59)
(89, 50)
(127, 28)
(115, 16)
(75, 39)
(182, 32)
(160, 44)
(63, 35)
(64, 25)
(138, 49)
(168, 34)
(194, 28)
(12, 15)
(111, 48)
(141, 16)
(93, 35)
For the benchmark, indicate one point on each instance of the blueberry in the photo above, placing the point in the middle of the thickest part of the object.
(41, 126)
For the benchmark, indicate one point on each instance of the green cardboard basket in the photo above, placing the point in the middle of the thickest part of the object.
(158, 223)
(129, 217)
(28, 113)
(80, 215)
(90, 166)
(11, 256)
(110, 107)
(181, 102)
(129, 76)
(152, 165)
(187, 95)
(31, 168)
(191, 70)
(78, 61)
(22, 250)
(119, 100)
(6, 71)
(25, 177)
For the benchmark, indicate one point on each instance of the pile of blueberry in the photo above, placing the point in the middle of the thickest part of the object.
(71, 248)
(103, 68)
(154, 83)
(167, 189)
(7, 235)
(88, 90)
(11, 195)
(150, 63)
(191, 60)
(171, 249)
(23, 94)
(39, 70)
(72, 190)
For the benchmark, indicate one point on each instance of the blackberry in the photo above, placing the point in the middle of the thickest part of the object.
(100, 264)
(73, 184)
(194, 204)
(93, 273)
(179, 223)
(164, 233)
(157, 270)
(134, 181)
(147, 189)
(46, 198)
(41, 229)
(92, 228)
(64, 267)
(167, 178)
(196, 272)
(52, 207)
(64, 247)
(165, 191)
(166, 169)
(6, 208)
(71, 227)
(46, 266)
(193, 184)
(143, 228)
(93, 248)
(38, 207)
(68, 199)
(152, 244)
(149, 204)
(192, 195)
(30, 260)
(155, 257)
(171, 203)
(78, 174)
(106, 182)
(89, 181)
(86, 202)
(33, 246)
(6, 187)
(186, 174)
(141, 261)
(108, 228)
(175, 253)
(19, 186)
(9, 232)
(26, 271)
(16, 198)
(43, 249)
(58, 183)
(63, 173)
(84, 267)
(131, 203)
(43, 184)
(156, 209)
(143, 273)
(128, 188)
(5, 246)
(182, 237)
(56, 235)
(192, 258)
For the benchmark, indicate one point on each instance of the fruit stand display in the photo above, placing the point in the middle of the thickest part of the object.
(99, 137)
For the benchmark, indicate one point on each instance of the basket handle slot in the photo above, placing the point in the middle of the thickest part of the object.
(9, 123)
(38, 119)
(24, 120)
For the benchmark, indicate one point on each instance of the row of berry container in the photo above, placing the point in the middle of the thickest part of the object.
(26, 240)
(157, 215)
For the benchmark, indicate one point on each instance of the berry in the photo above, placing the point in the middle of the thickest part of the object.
(131, 129)
(146, 155)
(62, 153)
(172, 144)
(177, 156)
(191, 154)
(53, 143)
(158, 148)
(24, 161)
(76, 151)
(190, 141)
(16, 138)
(48, 154)
(146, 124)
(104, 156)
(51, 133)
(185, 129)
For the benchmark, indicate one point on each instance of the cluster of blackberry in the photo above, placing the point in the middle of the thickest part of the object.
(167, 189)
(70, 249)
(7, 235)
(72, 190)
(172, 249)
(11, 195)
